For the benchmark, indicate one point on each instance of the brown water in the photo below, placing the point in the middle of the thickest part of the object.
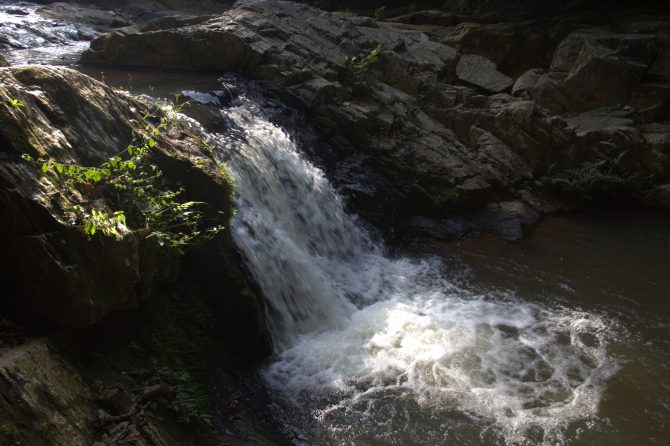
(612, 263)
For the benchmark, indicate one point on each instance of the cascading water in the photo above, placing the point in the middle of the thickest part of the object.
(382, 350)
(29, 38)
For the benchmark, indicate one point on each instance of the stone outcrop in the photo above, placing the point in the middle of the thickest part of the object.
(49, 268)
(483, 73)
(129, 324)
(429, 120)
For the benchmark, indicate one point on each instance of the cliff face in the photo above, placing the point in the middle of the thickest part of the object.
(444, 112)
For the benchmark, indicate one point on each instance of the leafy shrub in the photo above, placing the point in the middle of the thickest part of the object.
(360, 64)
(135, 186)
(590, 181)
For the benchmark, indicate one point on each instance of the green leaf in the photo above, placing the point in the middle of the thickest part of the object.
(59, 167)
(45, 167)
(152, 142)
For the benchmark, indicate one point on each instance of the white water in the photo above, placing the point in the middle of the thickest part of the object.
(382, 350)
(29, 38)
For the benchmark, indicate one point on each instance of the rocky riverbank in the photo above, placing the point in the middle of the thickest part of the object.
(112, 338)
(444, 122)
(446, 114)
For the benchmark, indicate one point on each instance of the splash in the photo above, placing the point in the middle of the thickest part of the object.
(383, 350)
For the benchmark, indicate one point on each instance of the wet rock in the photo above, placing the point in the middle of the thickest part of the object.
(508, 218)
(102, 19)
(17, 11)
(483, 73)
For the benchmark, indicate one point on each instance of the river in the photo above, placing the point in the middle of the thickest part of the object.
(557, 339)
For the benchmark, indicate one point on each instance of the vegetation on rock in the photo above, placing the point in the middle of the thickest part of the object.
(143, 203)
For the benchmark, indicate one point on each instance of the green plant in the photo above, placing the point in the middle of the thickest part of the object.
(380, 12)
(15, 103)
(345, 13)
(360, 64)
(587, 182)
(135, 187)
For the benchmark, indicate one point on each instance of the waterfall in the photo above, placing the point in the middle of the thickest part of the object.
(382, 350)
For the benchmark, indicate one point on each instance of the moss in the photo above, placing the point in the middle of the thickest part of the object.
(180, 326)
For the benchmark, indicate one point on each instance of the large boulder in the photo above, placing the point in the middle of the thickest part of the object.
(483, 73)
(49, 267)
(603, 67)
(513, 47)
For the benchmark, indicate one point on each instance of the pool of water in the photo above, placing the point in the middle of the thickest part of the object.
(603, 277)
(612, 263)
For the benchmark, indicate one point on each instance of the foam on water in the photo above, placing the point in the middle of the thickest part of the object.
(384, 350)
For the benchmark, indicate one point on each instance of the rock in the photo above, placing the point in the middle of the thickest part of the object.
(513, 47)
(419, 64)
(503, 164)
(603, 67)
(507, 218)
(17, 11)
(50, 270)
(43, 397)
(58, 273)
(429, 17)
(171, 22)
(188, 49)
(423, 145)
(482, 73)
(3, 61)
(651, 100)
(102, 19)
(659, 197)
